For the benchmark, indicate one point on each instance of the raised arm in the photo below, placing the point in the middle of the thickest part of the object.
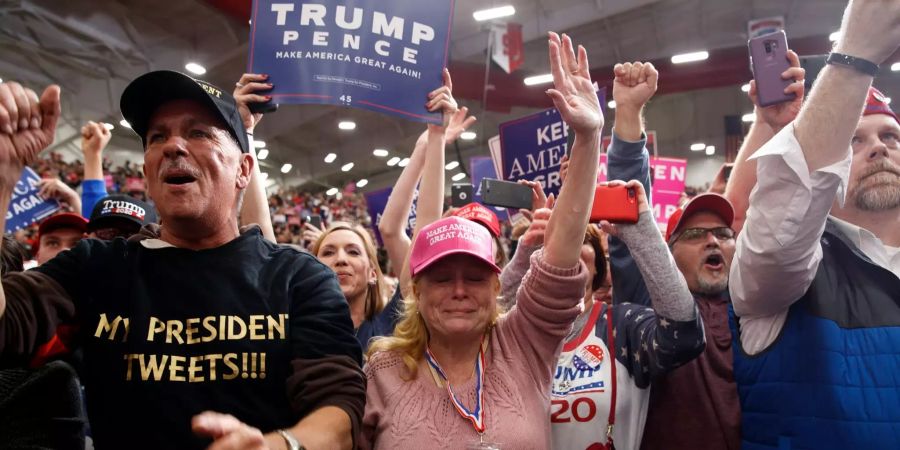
(671, 333)
(431, 191)
(27, 126)
(94, 138)
(575, 98)
(256, 206)
(769, 121)
(628, 159)
(805, 167)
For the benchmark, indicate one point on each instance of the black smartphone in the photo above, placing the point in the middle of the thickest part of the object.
(813, 64)
(315, 220)
(263, 108)
(460, 195)
(505, 193)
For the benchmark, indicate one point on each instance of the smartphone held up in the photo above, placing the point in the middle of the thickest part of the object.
(768, 60)
(615, 204)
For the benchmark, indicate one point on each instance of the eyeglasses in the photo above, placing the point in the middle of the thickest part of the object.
(698, 234)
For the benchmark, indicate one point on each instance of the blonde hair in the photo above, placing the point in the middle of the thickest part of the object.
(374, 294)
(411, 332)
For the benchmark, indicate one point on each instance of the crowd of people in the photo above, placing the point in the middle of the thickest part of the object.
(765, 316)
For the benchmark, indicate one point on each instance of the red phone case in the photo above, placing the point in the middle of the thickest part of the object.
(616, 204)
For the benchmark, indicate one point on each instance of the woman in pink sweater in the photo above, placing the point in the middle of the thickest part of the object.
(456, 374)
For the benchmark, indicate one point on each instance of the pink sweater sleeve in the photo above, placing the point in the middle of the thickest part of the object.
(546, 306)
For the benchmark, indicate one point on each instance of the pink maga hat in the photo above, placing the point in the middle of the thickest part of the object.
(450, 236)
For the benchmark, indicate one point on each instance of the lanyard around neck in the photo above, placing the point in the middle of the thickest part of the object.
(476, 415)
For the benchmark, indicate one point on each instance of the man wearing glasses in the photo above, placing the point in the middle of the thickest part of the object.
(702, 242)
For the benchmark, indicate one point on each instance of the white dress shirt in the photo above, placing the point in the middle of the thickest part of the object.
(778, 252)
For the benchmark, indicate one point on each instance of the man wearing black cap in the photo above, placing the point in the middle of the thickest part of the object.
(194, 316)
(119, 216)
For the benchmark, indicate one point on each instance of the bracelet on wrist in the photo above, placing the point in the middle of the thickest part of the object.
(859, 64)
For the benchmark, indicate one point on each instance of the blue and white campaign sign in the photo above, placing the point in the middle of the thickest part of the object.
(376, 201)
(26, 206)
(381, 55)
(483, 167)
(533, 146)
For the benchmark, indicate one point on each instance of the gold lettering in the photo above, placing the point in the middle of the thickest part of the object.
(208, 324)
(156, 326)
(129, 358)
(256, 328)
(105, 326)
(276, 326)
(212, 365)
(176, 363)
(173, 329)
(229, 361)
(193, 368)
(232, 320)
(190, 331)
(152, 368)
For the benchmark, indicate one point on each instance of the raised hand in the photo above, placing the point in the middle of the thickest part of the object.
(246, 91)
(534, 236)
(458, 124)
(27, 126)
(781, 114)
(55, 188)
(870, 30)
(442, 99)
(573, 93)
(538, 197)
(634, 85)
(643, 204)
(94, 138)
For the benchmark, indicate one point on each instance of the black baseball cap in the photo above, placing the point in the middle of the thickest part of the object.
(113, 208)
(151, 90)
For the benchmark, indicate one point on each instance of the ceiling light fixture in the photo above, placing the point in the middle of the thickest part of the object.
(347, 125)
(362, 183)
(690, 57)
(393, 161)
(745, 87)
(124, 123)
(611, 104)
(262, 154)
(264, 176)
(329, 158)
(698, 146)
(538, 79)
(749, 117)
(286, 168)
(347, 167)
(458, 176)
(710, 150)
(259, 144)
(331, 191)
(403, 162)
(108, 126)
(834, 36)
(452, 165)
(468, 135)
(195, 68)
(895, 67)
(380, 152)
(493, 13)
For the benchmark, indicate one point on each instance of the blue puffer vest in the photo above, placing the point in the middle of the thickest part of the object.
(831, 380)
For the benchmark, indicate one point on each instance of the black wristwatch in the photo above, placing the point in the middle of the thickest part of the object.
(862, 65)
(292, 442)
